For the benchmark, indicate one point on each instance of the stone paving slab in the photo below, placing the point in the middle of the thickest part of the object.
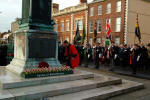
(136, 95)
(9, 80)
(101, 93)
(6, 95)
(35, 92)
(128, 73)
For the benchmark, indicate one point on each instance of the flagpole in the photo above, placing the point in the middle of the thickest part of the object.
(136, 27)
(134, 38)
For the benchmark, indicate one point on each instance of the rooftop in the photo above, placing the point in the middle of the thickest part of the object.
(71, 9)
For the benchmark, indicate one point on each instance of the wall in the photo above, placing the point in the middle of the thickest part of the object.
(142, 7)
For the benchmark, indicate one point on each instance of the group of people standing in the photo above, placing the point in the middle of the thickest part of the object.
(135, 56)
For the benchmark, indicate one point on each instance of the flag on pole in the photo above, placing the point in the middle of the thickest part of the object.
(108, 30)
(95, 32)
(77, 37)
(137, 29)
(83, 34)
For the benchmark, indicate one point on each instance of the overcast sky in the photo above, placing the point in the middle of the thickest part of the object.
(11, 9)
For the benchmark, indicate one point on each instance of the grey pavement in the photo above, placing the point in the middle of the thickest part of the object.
(137, 95)
(145, 74)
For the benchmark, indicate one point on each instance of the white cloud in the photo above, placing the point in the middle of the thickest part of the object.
(11, 9)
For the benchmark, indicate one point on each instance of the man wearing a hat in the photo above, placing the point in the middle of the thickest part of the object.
(98, 55)
(80, 49)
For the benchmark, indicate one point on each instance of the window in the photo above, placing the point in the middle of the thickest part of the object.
(117, 41)
(100, 10)
(99, 26)
(98, 40)
(91, 41)
(67, 26)
(62, 27)
(118, 6)
(92, 11)
(118, 24)
(108, 9)
(79, 23)
(91, 26)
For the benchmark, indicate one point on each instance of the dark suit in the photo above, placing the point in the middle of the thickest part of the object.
(98, 51)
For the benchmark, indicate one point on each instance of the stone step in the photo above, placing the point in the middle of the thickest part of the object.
(101, 93)
(48, 90)
(10, 80)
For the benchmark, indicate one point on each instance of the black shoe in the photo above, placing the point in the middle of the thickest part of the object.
(111, 69)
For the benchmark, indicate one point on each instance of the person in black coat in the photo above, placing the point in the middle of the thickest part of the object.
(60, 53)
(121, 49)
(80, 50)
(3, 54)
(114, 51)
(144, 56)
(136, 58)
(88, 54)
(98, 54)
(126, 56)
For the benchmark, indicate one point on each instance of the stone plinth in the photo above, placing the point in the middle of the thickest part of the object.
(32, 47)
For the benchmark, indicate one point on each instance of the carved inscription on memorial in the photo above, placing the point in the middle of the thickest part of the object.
(42, 46)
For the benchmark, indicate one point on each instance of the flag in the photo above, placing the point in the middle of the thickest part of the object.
(137, 29)
(108, 29)
(83, 34)
(77, 37)
(95, 33)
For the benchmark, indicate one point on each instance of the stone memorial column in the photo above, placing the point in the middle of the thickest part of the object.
(35, 41)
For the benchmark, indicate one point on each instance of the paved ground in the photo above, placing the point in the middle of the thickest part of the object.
(138, 95)
(141, 73)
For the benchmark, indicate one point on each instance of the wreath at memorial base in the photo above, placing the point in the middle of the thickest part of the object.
(45, 72)
(43, 65)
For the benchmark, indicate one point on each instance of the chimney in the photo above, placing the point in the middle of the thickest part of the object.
(83, 1)
(55, 7)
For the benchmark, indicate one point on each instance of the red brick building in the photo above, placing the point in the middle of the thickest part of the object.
(67, 19)
(99, 11)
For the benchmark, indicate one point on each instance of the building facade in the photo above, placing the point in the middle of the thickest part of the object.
(101, 12)
(121, 15)
(67, 20)
(15, 25)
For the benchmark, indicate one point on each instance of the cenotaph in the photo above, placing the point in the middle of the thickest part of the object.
(35, 41)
